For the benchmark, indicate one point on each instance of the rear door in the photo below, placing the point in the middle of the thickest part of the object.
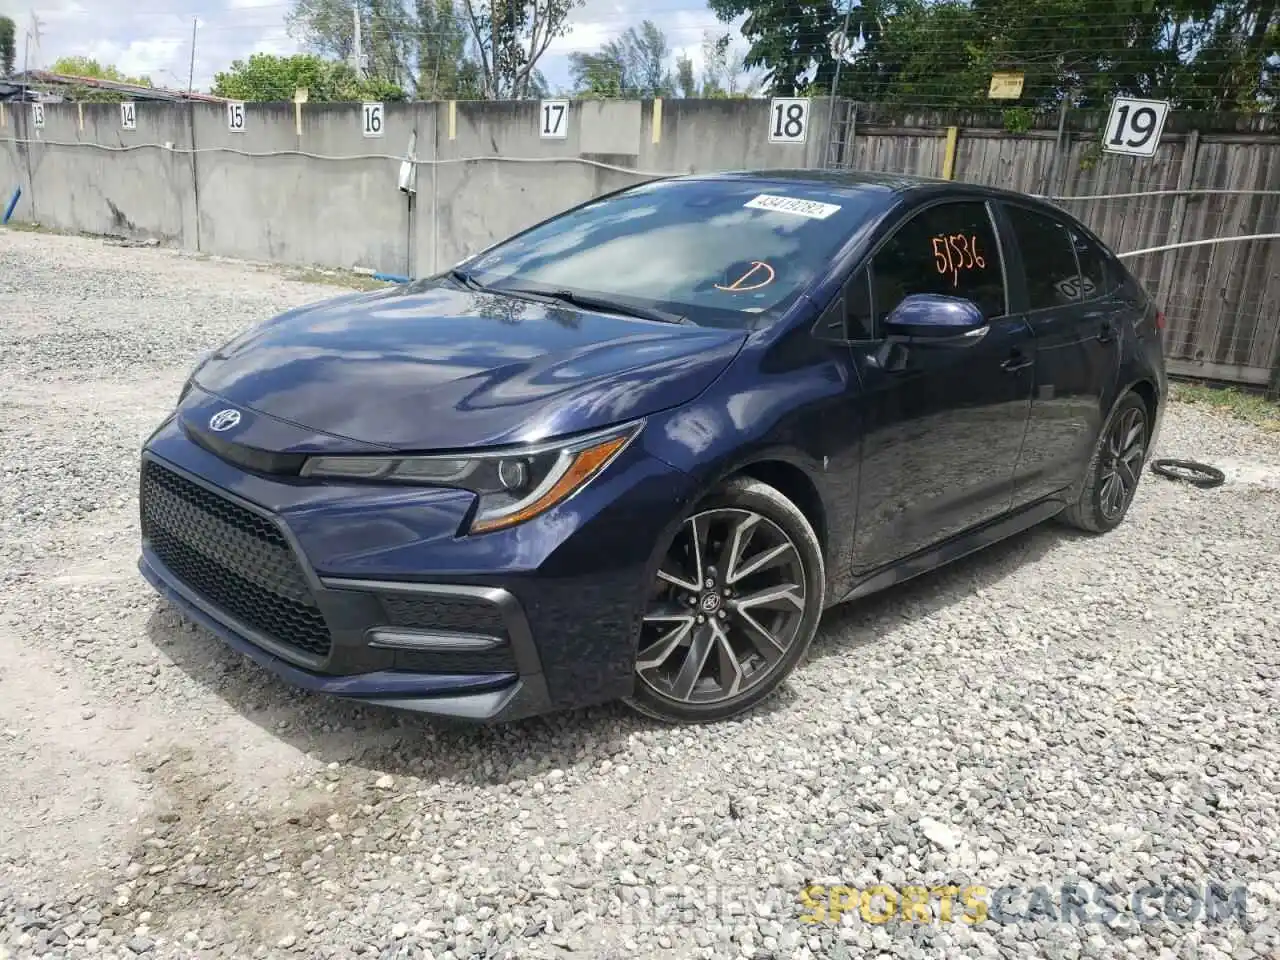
(1077, 351)
(942, 425)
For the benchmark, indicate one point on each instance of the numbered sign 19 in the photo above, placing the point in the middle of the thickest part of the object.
(553, 119)
(371, 119)
(1135, 126)
(235, 116)
(788, 120)
(128, 116)
(37, 115)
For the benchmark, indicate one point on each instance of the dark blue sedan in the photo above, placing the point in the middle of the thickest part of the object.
(636, 450)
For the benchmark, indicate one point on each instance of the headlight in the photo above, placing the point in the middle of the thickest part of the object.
(513, 484)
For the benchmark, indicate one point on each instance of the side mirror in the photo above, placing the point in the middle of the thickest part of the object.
(933, 316)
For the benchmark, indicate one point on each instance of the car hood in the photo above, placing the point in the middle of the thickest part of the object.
(440, 368)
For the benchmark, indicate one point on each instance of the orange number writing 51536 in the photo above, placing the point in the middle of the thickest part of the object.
(955, 253)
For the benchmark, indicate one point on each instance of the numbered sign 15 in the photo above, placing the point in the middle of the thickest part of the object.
(1135, 126)
(37, 115)
(371, 123)
(235, 116)
(129, 116)
(788, 120)
(553, 119)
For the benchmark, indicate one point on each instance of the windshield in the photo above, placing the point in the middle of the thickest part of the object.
(717, 252)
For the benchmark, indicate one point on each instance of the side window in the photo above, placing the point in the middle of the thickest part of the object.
(860, 321)
(1048, 259)
(1095, 275)
(949, 249)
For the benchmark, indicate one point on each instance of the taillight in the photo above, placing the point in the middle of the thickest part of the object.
(1160, 320)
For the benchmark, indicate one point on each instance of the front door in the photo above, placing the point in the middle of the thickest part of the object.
(942, 424)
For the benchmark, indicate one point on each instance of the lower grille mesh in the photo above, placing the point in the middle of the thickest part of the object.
(235, 559)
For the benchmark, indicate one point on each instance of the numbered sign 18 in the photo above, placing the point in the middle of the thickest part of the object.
(37, 115)
(553, 119)
(788, 120)
(235, 116)
(128, 116)
(371, 123)
(1135, 126)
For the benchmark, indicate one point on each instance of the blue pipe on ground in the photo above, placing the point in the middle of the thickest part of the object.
(13, 205)
(390, 278)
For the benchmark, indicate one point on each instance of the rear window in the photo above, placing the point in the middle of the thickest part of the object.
(719, 252)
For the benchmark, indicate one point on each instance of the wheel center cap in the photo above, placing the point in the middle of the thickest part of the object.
(710, 602)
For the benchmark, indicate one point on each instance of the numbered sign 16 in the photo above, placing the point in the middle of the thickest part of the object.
(37, 115)
(371, 123)
(1135, 126)
(128, 116)
(235, 116)
(553, 119)
(788, 120)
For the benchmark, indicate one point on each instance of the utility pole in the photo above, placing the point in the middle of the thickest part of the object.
(191, 74)
(358, 50)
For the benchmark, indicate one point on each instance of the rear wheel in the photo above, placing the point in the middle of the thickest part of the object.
(1114, 470)
(734, 606)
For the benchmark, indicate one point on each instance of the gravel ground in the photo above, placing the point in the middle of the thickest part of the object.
(1058, 709)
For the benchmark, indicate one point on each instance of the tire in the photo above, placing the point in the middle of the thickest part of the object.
(1099, 508)
(685, 618)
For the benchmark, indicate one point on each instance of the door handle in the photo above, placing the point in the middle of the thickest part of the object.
(1019, 361)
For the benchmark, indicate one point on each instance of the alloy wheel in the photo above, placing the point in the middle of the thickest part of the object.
(1122, 462)
(726, 606)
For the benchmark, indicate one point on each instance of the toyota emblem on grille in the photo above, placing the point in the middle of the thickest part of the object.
(224, 420)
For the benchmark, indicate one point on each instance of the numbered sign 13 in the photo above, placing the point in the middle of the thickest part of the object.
(553, 119)
(37, 115)
(128, 116)
(235, 116)
(371, 124)
(788, 120)
(1135, 126)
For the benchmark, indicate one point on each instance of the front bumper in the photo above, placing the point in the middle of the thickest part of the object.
(398, 615)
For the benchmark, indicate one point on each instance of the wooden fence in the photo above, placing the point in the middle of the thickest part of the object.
(1222, 300)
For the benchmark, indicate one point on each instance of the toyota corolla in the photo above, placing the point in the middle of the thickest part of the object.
(634, 451)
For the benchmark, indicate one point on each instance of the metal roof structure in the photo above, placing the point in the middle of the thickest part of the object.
(56, 87)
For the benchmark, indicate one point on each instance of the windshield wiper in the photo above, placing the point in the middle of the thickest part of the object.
(467, 280)
(603, 304)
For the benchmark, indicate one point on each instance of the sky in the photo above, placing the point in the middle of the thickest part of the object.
(153, 37)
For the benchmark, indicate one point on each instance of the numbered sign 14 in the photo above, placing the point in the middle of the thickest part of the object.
(128, 116)
(553, 119)
(1135, 126)
(37, 115)
(235, 116)
(371, 123)
(788, 120)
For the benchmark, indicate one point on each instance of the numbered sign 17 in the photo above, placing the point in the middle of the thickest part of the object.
(128, 116)
(553, 119)
(788, 120)
(37, 115)
(1135, 126)
(235, 116)
(371, 119)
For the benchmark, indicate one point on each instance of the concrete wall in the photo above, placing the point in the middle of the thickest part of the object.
(305, 186)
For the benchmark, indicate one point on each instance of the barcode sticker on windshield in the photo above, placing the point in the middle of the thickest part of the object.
(801, 208)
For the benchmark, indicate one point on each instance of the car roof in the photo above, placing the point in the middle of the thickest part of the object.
(859, 181)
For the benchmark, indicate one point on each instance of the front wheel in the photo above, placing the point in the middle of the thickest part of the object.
(733, 608)
(1114, 469)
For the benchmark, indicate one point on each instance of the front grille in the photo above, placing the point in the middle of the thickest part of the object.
(452, 614)
(232, 557)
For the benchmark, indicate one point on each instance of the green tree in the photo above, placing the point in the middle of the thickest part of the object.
(8, 46)
(634, 65)
(267, 77)
(445, 71)
(88, 67)
(509, 37)
(388, 35)
(1200, 54)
